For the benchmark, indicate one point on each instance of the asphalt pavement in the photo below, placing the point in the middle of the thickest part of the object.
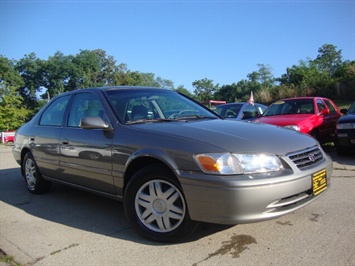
(72, 227)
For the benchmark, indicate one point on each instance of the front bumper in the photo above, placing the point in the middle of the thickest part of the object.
(345, 137)
(232, 200)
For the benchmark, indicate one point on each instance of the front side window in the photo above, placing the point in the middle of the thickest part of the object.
(54, 114)
(321, 105)
(84, 104)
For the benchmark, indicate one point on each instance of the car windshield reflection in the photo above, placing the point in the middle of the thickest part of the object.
(165, 106)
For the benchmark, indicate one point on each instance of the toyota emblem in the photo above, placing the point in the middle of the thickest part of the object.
(311, 157)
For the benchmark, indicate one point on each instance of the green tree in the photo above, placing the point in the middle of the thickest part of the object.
(265, 76)
(165, 83)
(56, 74)
(93, 69)
(124, 77)
(328, 59)
(204, 89)
(227, 93)
(30, 69)
(345, 80)
(183, 90)
(12, 112)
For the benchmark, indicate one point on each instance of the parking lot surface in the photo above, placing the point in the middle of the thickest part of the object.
(72, 227)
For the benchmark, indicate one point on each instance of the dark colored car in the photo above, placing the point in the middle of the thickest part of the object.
(345, 132)
(240, 110)
(316, 116)
(172, 161)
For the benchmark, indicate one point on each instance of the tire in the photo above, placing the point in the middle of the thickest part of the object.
(33, 177)
(156, 207)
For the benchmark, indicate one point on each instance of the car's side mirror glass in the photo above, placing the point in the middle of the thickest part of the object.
(93, 122)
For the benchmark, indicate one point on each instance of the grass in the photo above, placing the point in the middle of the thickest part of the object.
(7, 260)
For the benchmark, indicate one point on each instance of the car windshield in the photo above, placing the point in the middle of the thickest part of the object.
(352, 109)
(292, 106)
(158, 105)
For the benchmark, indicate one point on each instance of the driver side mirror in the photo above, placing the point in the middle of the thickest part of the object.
(324, 112)
(94, 122)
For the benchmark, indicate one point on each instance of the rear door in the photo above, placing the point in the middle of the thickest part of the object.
(45, 136)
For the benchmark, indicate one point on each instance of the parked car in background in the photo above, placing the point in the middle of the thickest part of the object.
(316, 116)
(240, 110)
(7, 137)
(172, 161)
(345, 132)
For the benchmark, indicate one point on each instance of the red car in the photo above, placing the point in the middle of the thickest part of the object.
(316, 116)
(7, 137)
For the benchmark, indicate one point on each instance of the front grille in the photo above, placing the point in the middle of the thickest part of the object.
(306, 158)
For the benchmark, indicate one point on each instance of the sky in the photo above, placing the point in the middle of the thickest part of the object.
(182, 41)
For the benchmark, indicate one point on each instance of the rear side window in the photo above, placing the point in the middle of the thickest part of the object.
(54, 114)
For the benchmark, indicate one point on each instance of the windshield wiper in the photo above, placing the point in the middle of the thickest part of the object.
(188, 117)
(158, 120)
(177, 119)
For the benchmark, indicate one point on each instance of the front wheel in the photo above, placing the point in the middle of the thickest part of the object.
(33, 177)
(155, 205)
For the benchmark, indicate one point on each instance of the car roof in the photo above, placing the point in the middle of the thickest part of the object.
(227, 104)
(301, 98)
(108, 88)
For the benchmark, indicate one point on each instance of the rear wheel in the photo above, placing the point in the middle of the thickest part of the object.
(33, 178)
(155, 205)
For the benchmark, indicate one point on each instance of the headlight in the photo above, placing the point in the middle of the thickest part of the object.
(229, 164)
(294, 127)
(346, 126)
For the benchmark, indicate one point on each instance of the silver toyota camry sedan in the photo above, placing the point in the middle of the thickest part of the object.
(171, 161)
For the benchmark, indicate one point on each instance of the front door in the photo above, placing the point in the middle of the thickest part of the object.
(86, 154)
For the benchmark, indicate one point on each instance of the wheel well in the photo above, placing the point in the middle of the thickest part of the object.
(140, 163)
(314, 133)
(23, 153)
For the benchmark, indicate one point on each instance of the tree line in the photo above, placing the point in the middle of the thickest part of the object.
(27, 84)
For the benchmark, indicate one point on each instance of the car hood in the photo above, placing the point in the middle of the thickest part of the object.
(233, 136)
(285, 120)
(348, 118)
